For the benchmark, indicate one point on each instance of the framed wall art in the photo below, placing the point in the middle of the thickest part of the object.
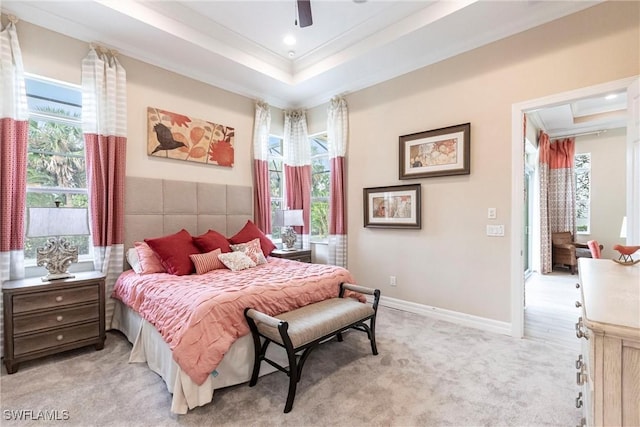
(392, 207)
(438, 152)
(175, 136)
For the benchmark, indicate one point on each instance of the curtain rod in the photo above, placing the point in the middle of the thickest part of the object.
(596, 132)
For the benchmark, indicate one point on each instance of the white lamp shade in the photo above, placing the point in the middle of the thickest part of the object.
(45, 222)
(293, 217)
(288, 218)
(623, 229)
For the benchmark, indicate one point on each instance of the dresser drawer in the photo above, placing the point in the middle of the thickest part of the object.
(54, 298)
(55, 318)
(55, 338)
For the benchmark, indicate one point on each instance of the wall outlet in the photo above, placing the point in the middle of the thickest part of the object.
(392, 281)
(492, 213)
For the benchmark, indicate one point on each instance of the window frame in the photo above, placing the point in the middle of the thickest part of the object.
(50, 117)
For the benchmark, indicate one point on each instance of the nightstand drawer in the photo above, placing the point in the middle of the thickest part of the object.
(55, 298)
(55, 338)
(55, 318)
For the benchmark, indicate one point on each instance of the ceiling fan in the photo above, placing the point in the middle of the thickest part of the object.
(304, 13)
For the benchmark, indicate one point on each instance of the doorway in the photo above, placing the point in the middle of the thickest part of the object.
(518, 239)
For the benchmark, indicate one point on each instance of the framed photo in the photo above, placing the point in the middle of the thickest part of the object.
(392, 207)
(438, 152)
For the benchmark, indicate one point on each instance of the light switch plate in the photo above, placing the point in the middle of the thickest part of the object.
(495, 230)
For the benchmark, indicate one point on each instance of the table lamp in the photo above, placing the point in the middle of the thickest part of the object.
(57, 223)
(288, 219)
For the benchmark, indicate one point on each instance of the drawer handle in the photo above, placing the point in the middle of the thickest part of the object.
(579, 400)
(579, 332)
(59, 318)
(578, 305)
(577, 285)
(580, 378)
(59, 298)
(579, 362)
(60, 337)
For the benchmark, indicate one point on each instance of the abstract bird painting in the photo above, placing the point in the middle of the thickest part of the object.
(176, 136)
(165, 139)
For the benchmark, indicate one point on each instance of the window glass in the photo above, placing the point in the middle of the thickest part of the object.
(582, 168)
(276, 181)
(320, 176)
(55, 155)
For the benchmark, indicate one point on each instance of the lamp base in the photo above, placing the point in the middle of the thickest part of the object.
(57, 276)
(289, 238)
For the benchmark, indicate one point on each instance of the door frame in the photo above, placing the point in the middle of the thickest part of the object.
(517, 179)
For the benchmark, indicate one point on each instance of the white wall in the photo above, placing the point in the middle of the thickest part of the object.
(608, 187)
(451, 263)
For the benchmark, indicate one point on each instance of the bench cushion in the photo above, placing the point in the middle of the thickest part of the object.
(316, 320)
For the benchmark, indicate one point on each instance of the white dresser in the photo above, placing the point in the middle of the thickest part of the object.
(608, 370)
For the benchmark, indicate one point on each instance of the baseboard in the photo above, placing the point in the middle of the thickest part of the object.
(477, 322)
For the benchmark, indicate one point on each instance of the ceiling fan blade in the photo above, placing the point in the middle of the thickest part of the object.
(304, 13)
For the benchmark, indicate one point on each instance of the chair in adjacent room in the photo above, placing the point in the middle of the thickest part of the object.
(565, 252)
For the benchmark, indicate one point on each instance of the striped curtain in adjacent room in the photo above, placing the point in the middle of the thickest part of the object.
(557, 193)
(104, 121)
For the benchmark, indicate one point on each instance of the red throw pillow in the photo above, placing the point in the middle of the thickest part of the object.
(210, 241)
(249, 232)
(174, 251)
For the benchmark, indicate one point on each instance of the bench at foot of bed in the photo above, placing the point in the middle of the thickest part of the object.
(301, 330)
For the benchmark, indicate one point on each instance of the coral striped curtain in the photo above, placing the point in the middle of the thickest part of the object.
(261, 128)
(337, 138)
(14, 124)
(557, 193)
(104, 120)
(297, 169)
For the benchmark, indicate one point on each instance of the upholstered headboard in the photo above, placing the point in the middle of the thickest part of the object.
(157, 207)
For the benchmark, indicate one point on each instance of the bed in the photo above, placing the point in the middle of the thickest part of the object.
(159, 207)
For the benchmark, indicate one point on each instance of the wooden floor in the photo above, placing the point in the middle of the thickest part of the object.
(550, 313)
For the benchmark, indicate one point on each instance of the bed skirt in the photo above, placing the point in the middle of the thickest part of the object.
(149, 347)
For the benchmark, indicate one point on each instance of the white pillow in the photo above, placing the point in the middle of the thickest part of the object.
(132, 259)
(236, 261)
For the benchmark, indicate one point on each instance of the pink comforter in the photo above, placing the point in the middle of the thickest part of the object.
(200, 316)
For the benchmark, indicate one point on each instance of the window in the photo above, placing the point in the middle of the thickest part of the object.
(320, 175)
(582, 168)
(55, 155)
(276, 180)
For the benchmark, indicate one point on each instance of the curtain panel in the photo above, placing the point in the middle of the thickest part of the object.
(297, 168)
(14, 124)
(337, 138)
(557, 193)
(104, 117)
(261, 129)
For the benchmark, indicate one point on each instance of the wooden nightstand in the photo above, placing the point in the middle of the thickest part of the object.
(44, 318)
(302, 255)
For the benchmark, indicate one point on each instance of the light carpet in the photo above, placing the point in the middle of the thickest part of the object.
(428, 373)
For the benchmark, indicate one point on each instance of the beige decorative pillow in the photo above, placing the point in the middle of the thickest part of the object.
(207, 262)
(236, 261)
(252, 249)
